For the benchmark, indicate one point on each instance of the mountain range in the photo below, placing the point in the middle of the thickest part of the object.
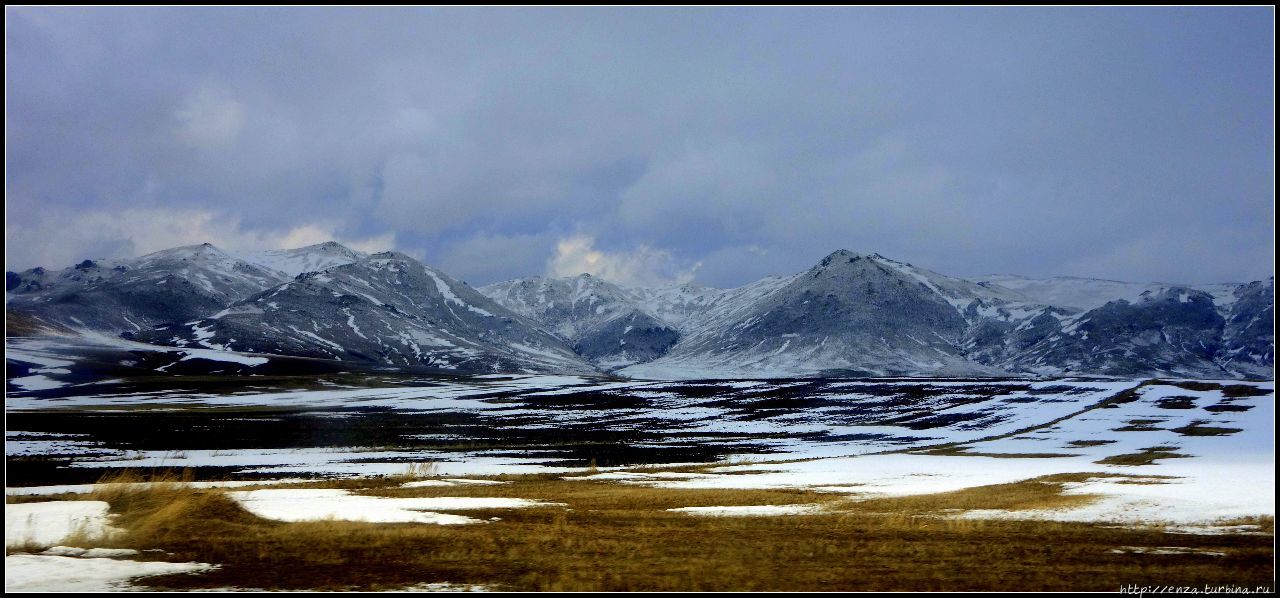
(851, 314)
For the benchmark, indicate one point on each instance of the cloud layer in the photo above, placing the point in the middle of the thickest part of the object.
(59, 237)
(1120, 143)
(641, 267)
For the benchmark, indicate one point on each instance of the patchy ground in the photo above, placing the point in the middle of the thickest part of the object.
(549, 483)
(576, 533)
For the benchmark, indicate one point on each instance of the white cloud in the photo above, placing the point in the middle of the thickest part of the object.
(642, 267)
(311, 234)
(56, 240)
(209, 118)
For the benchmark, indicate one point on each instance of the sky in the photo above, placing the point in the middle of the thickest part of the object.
(651, 145)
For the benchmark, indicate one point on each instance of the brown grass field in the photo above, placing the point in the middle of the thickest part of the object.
(615, 537)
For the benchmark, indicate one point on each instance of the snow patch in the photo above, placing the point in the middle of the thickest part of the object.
(54, 573)
(751, 510)
(225, 356)
(49, 523)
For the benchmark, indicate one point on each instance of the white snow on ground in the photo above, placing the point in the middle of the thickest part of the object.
(750, 510)
(54, 444)
(322, 504)
(319, 504)
(49, 523)
(870, 475)
(33, 352)
(450, 482)
(628, 476)
(50, 353)
(1225, 476)
(226, 356)
(37, 382)
(464, 503)
(475, 482)
(426, 484)
(52, 573)
(1229, 475)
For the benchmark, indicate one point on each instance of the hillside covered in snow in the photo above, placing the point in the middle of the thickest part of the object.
(850, 314)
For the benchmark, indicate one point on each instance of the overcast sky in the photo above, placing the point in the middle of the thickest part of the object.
(647, 145)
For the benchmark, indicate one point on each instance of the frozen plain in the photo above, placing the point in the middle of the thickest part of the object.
(861, 438)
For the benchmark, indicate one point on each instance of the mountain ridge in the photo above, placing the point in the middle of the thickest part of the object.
(849, 314)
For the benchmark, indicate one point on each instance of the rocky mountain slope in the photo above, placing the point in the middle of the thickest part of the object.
(598, 319)
(851, 314)
(386, 308)
(173, 285)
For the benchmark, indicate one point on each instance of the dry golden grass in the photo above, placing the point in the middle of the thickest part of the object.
(1089, 443)
(1266, 523)
(1145, 456)
(602, 496)
(1039, 493)
(620, 537)
(1199, 429)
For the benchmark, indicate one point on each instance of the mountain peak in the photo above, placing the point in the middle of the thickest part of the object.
(393, 255)
(330, 247)
(311, 258)
(202, 249)
(844, 256)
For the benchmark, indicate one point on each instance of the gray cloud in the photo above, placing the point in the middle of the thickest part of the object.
(1125, 143)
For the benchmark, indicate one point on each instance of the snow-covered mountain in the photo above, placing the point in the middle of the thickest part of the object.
(1144, 329)
(569, 307)
(1248, 338)
(851, 314)
(870, 315)
(173, 285)
(1168, 332)
(792, 325)
(600, 320)
(1088, 293)
(385, 308)
(120, 295)
(312, 258)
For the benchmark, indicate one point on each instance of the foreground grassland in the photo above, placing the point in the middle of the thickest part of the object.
(613, 536)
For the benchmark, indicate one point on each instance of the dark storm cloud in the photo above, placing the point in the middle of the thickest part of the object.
(726, 144)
